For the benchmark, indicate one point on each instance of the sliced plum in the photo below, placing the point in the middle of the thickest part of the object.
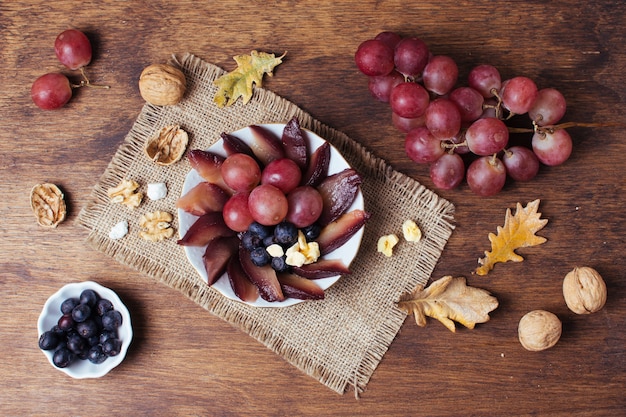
(337, 233)
(208, 164)
(317, 169)
(294, 286)
(264, 277)
(232, 144)
(239, 281)
(338, 192)
(265, 144)
(322, 268)
(294, 143)
(206, 228)
(202, 199)
(217, 254)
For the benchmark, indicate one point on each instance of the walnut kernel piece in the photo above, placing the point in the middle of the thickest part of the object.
(48, 204)
(584, 290)
(539, 330)
(156, 226)
(167, 146)
(126, 193)
(162, 84)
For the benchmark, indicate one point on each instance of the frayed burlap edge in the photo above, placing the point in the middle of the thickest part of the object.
(438, 223)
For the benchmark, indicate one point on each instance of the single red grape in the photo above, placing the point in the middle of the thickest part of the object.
(422, 146)
(411, 56)
(521, 163)
(241, 172)
(73, 49)
(373, 57)
(268, 205)
(552, 148)
(51, 91)
(283, 173)
(305, 206)
(409, 100)
(548, 108)
(486, 176)
(448, 171)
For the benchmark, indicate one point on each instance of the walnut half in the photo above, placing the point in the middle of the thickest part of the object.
(48, 204)
(167, 146)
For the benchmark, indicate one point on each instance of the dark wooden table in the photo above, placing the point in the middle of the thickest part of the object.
(183, 360)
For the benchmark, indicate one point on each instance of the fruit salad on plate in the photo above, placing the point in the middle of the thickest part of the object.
(271, 214)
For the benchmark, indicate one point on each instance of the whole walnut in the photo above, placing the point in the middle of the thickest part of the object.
(162, 84)
(539, 330)
(584, 290)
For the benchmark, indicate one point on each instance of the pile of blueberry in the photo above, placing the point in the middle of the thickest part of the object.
(259, 237)
(87, 330)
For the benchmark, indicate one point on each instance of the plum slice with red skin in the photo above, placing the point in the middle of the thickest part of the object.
(337, 233)
(217, 254)
(338, 192)
(295, 286)
(202, 199)
(318, 166)
(232, 144)
(208, 165)
(294, 143)
(322, 268)
(265, 144)
(263, 277)
(243, 288)
(206, 228)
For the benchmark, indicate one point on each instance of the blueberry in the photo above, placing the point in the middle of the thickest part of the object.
(259, 257)
(62, 357)
(250, 240)
(312, 232)
(76, 344)
(94, 340)
(112, 347)
(66, 322)
(89, 297)
(286, 234)
(81, 313)
(103, 305)
(49, 340)
(106, 335)
(268, 241)
(260, 230)
(279, 264)
(96, 355)
(111, 320)
(87, 329)
(68, 305)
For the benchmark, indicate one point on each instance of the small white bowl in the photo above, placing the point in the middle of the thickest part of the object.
(52, 312)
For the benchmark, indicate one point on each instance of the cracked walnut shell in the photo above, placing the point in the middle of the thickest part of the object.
(584, 290)
(167, 146)
(162, 84)
(48, 204)
(156, 226)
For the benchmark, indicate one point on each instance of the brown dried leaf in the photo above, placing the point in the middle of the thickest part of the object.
(518, 232)
(48, 204)
(448, 300)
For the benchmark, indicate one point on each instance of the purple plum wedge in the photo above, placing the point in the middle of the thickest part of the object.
(295, 144)
(294, 286)
(338, 192)
(322, 268)
(217, 254)
(337, 233)
(318, 166)
(266, 145)
(243, 288)
(232, 145)
(208, 165)
(264, 277)
(202, 199)
(206, 228)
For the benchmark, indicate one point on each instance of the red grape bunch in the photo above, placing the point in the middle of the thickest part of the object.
(449, 126)
(54, 90)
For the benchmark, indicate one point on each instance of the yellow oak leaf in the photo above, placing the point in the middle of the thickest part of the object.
(448, 300)
(518, 232)
(240, 82)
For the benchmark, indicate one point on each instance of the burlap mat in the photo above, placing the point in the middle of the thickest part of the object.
(338, 341)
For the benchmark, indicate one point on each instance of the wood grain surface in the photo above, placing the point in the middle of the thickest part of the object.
(185, 362)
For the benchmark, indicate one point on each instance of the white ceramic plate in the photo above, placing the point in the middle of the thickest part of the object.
(52, 312)
(346, 253)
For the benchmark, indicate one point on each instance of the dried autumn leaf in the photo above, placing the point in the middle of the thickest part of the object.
(518, 232)
(239, 82)
(448, 300)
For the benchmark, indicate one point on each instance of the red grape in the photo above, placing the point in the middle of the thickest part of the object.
(485, 79)
(380, 86)
(305, 206)
(469, 101)
(422, 146)
(486, 176)
(409, 100)
(282, 173)
(443, 118)
(448, 171)
(241, 172)
(521, 163)
(552, 148)
(391, 39)
(487, 136)
(268, 205)
(73, 49)
(440, 74)
(548, 108)
(236, 213)
(51, 91)
(518, 94)
(374, 57)
(411, 56)
(405, 124)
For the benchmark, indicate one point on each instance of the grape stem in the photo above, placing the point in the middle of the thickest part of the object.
(552, 128)
(86, 83)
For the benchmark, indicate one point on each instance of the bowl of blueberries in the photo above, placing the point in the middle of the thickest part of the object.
(84, 330)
